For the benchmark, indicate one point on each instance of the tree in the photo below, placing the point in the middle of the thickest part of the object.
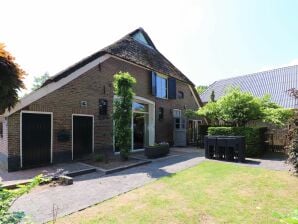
(123, 83)
(201, 89)
(238, 108)
(11, 80)
(39, 81)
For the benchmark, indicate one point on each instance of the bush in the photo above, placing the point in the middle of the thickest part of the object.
(292, 149)
(8, 197)
(254, 138)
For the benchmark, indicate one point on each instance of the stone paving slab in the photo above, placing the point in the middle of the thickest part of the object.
(93, 188)
(12, 178)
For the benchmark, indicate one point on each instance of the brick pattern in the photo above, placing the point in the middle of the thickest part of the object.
(94, 85)
(4, 138)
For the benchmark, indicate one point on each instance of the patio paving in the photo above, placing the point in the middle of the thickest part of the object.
(93, 188)
(18, 177)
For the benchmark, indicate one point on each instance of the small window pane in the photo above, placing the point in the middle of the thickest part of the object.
(139, 107)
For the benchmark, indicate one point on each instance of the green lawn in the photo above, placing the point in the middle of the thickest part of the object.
(211, 192)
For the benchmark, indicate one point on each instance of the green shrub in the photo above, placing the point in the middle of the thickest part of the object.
(292, 149)
(254, 137)
(8, 197)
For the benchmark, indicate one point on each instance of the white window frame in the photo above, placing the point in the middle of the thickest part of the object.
(167, 85)
(151, 122)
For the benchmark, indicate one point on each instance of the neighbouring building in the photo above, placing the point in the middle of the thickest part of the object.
(71, 114)
(275, 82)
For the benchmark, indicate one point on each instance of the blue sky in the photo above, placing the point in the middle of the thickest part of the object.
(206, 39)
(248, 36)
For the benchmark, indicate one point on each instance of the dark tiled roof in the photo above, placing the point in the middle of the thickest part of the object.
(275, 82)
(133, 51)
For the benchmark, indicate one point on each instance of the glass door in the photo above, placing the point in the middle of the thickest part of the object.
(140, 125)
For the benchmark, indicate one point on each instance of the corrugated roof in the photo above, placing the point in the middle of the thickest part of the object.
(274, 82)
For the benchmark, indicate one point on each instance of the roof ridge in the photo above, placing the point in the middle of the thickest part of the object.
(257, 73)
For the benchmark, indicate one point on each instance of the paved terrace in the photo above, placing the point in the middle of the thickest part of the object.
(94, 188)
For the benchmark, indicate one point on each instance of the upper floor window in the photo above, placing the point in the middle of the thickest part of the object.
(180, 95)
(161, 86)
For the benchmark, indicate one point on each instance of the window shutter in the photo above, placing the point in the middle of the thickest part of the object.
(153, 83)
(172, 88)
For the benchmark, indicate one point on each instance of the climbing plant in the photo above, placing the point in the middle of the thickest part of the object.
(123, 90)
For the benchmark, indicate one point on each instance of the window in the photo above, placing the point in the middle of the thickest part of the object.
(180, 95)
(161, 86)
(103, 107)
(139, 107)
(176, 113)
(140, 38)
(160, 113)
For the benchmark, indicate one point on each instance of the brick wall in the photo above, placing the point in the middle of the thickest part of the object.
(90, 87)
(3, 138)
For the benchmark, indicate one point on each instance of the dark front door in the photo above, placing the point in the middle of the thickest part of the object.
(138, 130)
(82, 136)
(36, 139)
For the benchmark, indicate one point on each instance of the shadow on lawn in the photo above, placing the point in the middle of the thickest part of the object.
(155, 170)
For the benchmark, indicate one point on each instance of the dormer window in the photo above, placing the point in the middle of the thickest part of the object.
(138, 36)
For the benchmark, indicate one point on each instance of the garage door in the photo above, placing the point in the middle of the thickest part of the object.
(36, 139)
(82, 136)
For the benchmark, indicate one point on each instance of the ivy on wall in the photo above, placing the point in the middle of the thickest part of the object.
(123, 90)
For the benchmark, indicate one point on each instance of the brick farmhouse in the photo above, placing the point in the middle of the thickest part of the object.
(71, 114)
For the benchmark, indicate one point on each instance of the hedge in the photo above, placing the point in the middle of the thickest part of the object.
(254, 137)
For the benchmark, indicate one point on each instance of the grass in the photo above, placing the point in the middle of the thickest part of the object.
(211, 192)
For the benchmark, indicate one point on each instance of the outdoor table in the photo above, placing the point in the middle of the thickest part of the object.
(225, 147)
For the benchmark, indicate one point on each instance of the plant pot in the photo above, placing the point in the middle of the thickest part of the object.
(157, 151)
